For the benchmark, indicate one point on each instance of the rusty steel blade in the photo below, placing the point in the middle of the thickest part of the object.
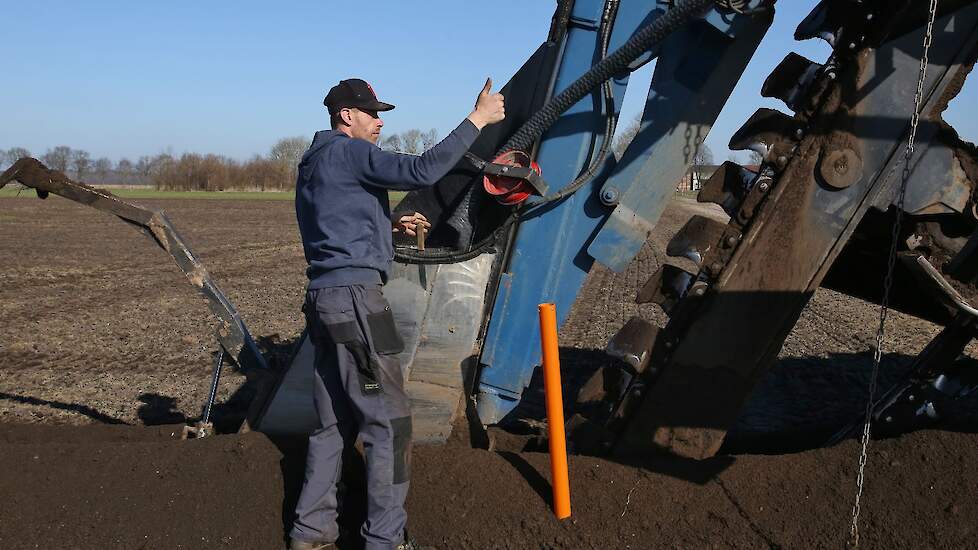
(790, 80)
(696, 238)
(665, 287)
(764, 132)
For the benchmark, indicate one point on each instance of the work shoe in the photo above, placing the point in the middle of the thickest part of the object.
(410, 544)
(296, 544)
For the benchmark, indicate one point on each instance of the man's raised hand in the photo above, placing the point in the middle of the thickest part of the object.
(489, 109)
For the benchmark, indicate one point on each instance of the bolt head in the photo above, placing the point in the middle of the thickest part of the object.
(911, 398)
(840, 168)
(609, 196)
(764, 186)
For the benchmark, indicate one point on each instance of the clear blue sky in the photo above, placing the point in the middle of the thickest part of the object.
(124, 79)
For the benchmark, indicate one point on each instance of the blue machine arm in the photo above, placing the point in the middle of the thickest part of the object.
(609, 218)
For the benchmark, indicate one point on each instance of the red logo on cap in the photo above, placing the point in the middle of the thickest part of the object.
(371, 89)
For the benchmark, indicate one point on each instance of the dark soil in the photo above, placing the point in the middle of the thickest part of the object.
(100, 324)
(132, 487)
(100, 328)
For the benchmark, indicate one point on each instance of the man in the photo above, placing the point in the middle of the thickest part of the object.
(344, 219)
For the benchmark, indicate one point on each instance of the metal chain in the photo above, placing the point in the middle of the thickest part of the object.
(888, 281)
(736, 6)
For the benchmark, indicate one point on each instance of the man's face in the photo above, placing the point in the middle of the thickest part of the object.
(364, 124)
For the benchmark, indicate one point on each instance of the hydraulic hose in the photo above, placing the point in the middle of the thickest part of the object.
(531, 130)
(640, 42)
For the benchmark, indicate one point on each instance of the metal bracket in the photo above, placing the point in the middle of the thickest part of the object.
(205, 427)
(526, 174)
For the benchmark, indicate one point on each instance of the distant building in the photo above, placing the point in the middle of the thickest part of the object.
(697, 176)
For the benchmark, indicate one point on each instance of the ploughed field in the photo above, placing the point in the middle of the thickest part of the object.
(100, 328)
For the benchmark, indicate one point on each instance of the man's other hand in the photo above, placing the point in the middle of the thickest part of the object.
(409, 224)
(489, 108)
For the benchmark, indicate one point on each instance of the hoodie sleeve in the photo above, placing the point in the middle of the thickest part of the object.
(401, 172)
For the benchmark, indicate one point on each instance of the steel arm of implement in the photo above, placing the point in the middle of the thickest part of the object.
(231, 332)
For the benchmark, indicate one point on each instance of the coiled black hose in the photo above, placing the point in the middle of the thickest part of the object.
(531, 130)
(639, 43)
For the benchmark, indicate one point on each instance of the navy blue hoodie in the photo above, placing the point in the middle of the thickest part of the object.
(342, 207)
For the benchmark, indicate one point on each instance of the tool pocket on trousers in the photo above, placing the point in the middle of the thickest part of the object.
(383, 333)
(402, 448)
(368, 371)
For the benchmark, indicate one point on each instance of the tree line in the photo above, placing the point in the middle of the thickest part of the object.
(413, 142)
(702, 154)
(275, 171)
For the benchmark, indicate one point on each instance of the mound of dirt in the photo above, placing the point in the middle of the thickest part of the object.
(125, 487)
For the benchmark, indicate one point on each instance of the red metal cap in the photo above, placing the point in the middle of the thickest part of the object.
(510, 190)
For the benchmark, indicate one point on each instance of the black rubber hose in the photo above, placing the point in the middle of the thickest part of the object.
(639, 43)
(540, 121)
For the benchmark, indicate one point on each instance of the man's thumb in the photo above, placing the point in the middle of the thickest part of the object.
(487, 87)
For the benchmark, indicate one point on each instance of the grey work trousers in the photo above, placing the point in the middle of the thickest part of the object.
(359, 391)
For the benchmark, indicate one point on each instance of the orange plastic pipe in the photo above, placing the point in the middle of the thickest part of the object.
(555, 411)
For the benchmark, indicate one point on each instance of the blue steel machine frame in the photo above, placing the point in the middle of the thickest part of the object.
(610, 218)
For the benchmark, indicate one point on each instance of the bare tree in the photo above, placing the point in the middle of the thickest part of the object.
(12, 155)
(81, 162)
(124, 169)
(58, 158)
(429, 139)
(287, 153)
(756, 158)
(144, 168)
(411, 141)
(157, 169)
(16, 153)
(703, 155)
(102, 167)
(391, 143)
(625, 136)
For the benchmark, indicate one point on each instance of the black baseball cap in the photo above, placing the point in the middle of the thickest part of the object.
(353, 92)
